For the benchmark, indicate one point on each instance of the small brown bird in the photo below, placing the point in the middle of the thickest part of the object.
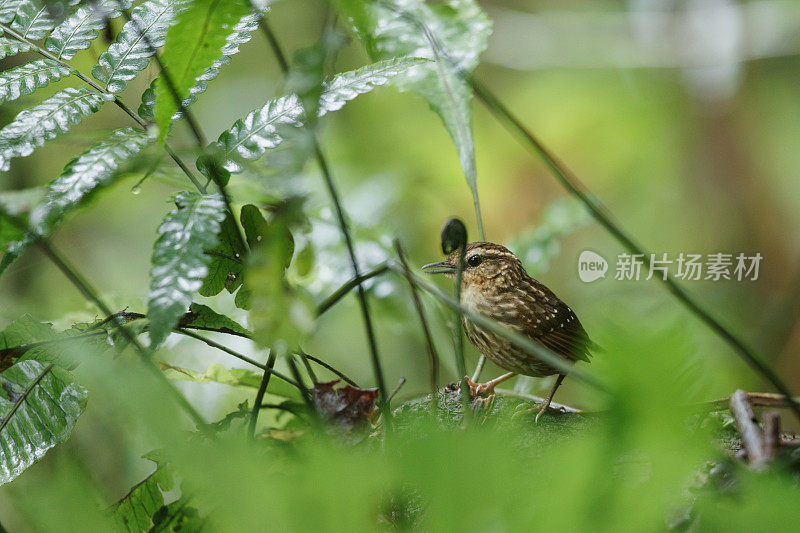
(495, 284)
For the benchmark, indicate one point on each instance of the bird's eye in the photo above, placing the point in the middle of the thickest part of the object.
(474, 260)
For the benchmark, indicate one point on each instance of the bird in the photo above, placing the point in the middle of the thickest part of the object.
(495, 284)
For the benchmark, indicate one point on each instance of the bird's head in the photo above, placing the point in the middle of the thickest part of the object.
(485, 265)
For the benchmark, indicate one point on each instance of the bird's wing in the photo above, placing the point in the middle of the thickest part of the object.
(552, 323)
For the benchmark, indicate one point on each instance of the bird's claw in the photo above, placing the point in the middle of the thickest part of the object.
(479, 390)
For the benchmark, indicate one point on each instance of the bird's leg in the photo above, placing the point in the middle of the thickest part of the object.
(546, 403)
(486, 389)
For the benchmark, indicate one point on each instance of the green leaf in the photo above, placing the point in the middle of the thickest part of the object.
(78, 31)
(9, 8)
(234, 377)
(227, 259)
(10, 47)
(194, 43)
(34, 19)
(136, 510)
(282, 314)
(258, 132)
(203, 317)
(452, 33)
(27, 338)
(242, 33)
(27, 78)
(45, 121)
(39, 404)
(179, 264)
(82, 178)
(135, 44)
(177, 516)
(85, 175)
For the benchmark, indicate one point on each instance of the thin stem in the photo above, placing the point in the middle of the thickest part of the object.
(399, 386)
(600, 213)
(433, 358)
(329, 367)
(262, 389)
(238, 355)
(342, 291)
(458, 334)
(309, 370)
(333, 193)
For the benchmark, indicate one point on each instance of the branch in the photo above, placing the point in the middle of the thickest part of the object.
(746, 421)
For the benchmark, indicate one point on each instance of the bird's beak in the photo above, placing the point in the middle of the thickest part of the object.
(442, 267)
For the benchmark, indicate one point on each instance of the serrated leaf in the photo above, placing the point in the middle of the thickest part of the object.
(136, 43)
(452, 33)
(226, 260)
(252, 136)
(10, 47)
(78, 31)
(27, 338)
(45, 121)
(242, 33)
(82, 178)
(234, 377)
(193, 44)
(9, 8)
(34, 18)
(39, 405)
(203, 317)
(27, 78)
(85, 175)
(179, 264)
(135, 511)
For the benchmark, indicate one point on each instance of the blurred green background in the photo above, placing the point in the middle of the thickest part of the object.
(682, 117)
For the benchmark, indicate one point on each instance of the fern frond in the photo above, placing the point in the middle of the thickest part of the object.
(241, 34)
(179, 261)
(11, 47)
(45, 121)
(132, 50)
(258, 132)
(33, 20)
(78, 31)
(24, 80)
(85, 175)
(9, 8)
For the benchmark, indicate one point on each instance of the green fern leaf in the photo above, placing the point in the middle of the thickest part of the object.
(258, 132)
(9, 8)
(242, 33)
(34, 19)
(179, 264)
(39, 405)
(193, 45)
(78, 31)
(82, 178)
(133, 48)
(24, 80)
(85, 175)
(39, 124)
(10, 47)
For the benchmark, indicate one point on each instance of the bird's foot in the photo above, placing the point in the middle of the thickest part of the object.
(523, 409)
(480, 390)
